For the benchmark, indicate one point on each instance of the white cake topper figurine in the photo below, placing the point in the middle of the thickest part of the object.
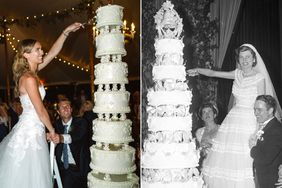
(169, 24)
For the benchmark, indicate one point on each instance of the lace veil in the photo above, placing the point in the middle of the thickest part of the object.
(269, 89)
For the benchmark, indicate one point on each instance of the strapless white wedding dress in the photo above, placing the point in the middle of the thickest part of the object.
(24, 155)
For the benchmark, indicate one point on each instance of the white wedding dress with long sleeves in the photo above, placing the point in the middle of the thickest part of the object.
(24, 155)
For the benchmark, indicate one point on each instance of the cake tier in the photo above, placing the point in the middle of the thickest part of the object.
(112, 131)
(111, 102)
(111, 73)
(97, 180)
(157, 98)
(161, 72)
(169, 46)
(113, 162)
(174, 155)
(110, 44)
(198, 183)
(169, 59)
(109, 15)
(169, 123)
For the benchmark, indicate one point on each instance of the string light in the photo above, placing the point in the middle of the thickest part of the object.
(29, 20)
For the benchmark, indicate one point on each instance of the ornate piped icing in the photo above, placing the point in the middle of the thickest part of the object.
(168, 23)
(169, 155)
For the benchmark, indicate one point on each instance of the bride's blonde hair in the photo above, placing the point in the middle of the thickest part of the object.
(21, 65)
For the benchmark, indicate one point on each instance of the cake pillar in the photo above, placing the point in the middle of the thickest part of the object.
(112, 159)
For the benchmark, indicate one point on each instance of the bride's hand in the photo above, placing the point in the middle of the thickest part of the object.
(55, 138)
(193, 72)
(72, 28)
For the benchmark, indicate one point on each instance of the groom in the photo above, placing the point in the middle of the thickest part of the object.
(72, 151)
(267, 149)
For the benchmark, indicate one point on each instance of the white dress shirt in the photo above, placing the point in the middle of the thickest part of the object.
(68, 140)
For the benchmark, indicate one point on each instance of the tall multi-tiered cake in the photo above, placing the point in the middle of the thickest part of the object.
(169, 157)
(112, 159)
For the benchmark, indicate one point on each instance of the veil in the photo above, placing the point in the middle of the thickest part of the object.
(269, 89)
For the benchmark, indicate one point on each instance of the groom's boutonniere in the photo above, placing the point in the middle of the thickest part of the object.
(259, 135)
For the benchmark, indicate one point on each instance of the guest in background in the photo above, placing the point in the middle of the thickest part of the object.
(4, 118)
(86, 111)
(204, 135)
(72, 151)
(3, 121)
(266, 145)
(14, 111)
(86, 106)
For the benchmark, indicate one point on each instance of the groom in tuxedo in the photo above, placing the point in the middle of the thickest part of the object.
(72, 151)
(266, 149)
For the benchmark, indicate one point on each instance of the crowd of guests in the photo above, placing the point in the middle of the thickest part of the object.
(9, 116)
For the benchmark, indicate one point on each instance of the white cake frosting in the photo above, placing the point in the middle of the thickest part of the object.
(125, 181)
(193, 183)
(169, 154)
(161, 72)
(111, 102)
(112, 159)
(156, 123)
(113, 162)
(110, 43)
(157, 98)
(112, 131)
(111, 73)
(164, 46)
(109, 15)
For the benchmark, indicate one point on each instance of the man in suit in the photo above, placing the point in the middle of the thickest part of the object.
(72, 151)
(266, 150)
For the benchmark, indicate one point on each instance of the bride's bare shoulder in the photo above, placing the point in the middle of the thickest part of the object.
(27, 80)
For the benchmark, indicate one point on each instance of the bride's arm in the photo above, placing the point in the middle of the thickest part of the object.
(212, 73)
(57, 46)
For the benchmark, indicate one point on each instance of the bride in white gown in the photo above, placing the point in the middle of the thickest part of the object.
(24, 155)
(229, 163)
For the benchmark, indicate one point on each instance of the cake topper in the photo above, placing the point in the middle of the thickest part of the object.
(169, 24)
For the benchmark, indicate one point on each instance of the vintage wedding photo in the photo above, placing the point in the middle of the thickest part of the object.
(141, 94)
(211, 86)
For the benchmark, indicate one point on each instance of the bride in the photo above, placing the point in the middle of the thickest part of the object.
(24, 156)
(229, 163)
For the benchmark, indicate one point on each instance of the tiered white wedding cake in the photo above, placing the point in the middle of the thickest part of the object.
(112, 159)
(169, 157)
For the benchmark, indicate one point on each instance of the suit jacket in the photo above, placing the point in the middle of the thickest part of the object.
(79, 147)
(89, 116)
(267, 154)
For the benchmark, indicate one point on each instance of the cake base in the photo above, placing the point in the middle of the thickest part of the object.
(190, 184)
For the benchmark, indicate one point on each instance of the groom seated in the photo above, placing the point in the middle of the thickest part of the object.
(72, 151)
